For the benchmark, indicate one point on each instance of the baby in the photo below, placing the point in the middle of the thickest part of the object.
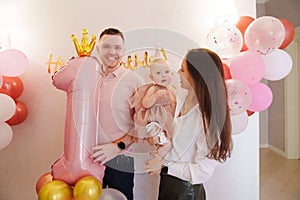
(154, 105)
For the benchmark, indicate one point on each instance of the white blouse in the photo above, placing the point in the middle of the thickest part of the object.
(187, 159)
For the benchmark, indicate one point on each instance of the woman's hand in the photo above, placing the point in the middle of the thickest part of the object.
(154, 165)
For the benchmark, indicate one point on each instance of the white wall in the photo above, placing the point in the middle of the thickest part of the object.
(39, 28)
(238, 178)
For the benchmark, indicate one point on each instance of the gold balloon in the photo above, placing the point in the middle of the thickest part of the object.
(87, 188)
(55, 190)
(43, 180)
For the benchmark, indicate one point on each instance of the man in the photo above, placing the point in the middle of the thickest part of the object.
(114, 89)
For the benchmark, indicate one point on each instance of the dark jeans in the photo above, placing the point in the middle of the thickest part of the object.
(119, 174)
(173, 188)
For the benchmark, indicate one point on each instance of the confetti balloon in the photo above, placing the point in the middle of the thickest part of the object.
(226, 41)
(264, 34)
(239, 96)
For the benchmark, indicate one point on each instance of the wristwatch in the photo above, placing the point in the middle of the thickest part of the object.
(164, 169)
(121, 145)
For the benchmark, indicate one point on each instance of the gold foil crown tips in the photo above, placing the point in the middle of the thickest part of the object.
(85, 48)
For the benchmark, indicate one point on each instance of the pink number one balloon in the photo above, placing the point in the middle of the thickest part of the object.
(79, 79)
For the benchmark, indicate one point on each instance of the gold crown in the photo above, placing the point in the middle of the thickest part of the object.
(85, 48)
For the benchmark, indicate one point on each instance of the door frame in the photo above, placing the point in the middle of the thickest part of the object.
(291, 88)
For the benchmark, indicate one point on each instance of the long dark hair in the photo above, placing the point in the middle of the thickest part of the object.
(206, 70)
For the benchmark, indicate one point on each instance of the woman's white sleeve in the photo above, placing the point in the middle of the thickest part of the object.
(195, 173)
(200, 169)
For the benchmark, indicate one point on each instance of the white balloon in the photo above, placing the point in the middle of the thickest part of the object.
(112, 194)
(7, 108)
(239, 122)
(6, 135)
(278, 64)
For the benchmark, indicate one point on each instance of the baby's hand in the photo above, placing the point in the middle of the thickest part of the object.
(161, 93)
(154, 128)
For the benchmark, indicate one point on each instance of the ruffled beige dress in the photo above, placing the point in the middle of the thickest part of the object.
(162, 110)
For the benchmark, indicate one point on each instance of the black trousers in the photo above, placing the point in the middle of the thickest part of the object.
(119, 175)
(173, 188)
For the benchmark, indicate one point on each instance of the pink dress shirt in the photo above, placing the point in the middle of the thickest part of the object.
(113, 111)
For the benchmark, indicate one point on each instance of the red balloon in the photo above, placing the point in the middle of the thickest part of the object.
(226, 70)
(20, 114)
(44, 179)
(14, 85)
(289, 33)
(249, 112)
(242, 25)
(4, 91)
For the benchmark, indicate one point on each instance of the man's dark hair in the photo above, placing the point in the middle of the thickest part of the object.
(112, 31)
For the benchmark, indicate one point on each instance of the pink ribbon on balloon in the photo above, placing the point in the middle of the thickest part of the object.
(79, 79)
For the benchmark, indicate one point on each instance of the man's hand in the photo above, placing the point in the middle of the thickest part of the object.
(105, 152)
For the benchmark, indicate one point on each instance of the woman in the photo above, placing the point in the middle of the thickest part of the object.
(202, 129)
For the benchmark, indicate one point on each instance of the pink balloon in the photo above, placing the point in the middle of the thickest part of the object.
(6, 135)
(239, 96)
(278, 65)
(264, 34)
(262, 97)
(248, 67)
(226, 41)
(78, 78)
(13, 62)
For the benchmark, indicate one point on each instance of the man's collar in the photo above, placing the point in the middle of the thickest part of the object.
(116, 72)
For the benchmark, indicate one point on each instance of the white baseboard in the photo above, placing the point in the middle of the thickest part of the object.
(263, 146)
(275, 149)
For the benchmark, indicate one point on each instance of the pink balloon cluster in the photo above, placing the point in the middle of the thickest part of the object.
(260, 55)
(12, 64)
